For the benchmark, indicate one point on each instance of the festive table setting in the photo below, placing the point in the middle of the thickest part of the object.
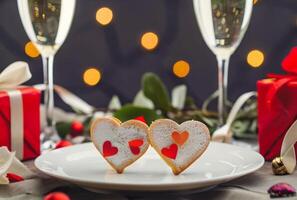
(160, 143)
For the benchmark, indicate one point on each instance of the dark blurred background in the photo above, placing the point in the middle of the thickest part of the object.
(116, 51)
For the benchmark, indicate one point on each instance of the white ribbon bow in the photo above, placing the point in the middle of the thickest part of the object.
(224, 134)
(14, 75)
(288, 150)
(10, 164)
(11, 77)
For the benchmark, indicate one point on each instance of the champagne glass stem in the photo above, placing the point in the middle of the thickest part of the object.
(49, 128)
(223, 65)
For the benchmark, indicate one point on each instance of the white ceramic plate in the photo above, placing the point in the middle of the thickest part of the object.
(84, 166)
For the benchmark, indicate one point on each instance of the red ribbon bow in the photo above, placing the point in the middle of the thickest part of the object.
(289, 64)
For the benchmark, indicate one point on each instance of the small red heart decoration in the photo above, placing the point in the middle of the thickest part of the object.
(121, 144)
(134, 146)
(108, 149)
(170, 152)
(178, 153)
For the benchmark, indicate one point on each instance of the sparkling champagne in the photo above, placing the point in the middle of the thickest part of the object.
(47, 22)
(223, 23)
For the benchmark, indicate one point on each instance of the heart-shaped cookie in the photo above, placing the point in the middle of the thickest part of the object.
(120, 144)
(179, 145)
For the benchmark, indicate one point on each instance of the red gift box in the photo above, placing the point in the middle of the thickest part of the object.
(31, 122)
(277, 107)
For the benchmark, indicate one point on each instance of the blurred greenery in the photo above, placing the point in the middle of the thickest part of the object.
(245, 125)
(154, 89)
(63, 128)
(153, 102)
(130, 111)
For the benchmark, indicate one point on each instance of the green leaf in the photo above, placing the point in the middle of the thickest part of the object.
(128, 112)
(154, 89)
(63, 129)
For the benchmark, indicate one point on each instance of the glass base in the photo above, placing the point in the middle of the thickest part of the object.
(49, 138)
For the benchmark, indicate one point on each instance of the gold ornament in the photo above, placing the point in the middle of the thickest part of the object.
(278, 167)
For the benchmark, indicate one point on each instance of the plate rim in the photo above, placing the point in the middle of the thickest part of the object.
(154, 186)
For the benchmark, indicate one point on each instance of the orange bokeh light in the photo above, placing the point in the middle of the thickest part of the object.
(31, 50)
(149, 40)
(181, 69)
(255, 58)
(92, 76)
(104, 16)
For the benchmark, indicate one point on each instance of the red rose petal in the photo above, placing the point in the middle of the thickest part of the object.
(281, 190)
(13, 178)
(56, 196)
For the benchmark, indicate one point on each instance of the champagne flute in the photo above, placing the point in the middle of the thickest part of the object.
(223, 24)
(47, 23)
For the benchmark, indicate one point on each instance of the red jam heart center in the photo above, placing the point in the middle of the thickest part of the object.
(108, 149)
(180, 138)
(135, 146)
(170, 152)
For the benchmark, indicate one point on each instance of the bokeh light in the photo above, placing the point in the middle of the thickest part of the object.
(31, 50)
(255, 1)
(104, 16)
(149, 40)
(92, 76)
(181, 69)
(255, 58)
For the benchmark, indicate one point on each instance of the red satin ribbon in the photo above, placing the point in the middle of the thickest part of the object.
(289, 65)
(278, 84)
(276, 102)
